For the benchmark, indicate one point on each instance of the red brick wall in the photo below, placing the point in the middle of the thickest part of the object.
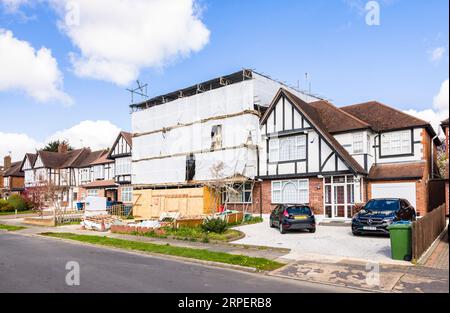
(262, 193)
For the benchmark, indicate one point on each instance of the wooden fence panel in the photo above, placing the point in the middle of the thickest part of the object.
(425, 231)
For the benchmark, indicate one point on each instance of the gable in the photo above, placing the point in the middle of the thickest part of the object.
(38, 163)
(121, 147)
(304, 118)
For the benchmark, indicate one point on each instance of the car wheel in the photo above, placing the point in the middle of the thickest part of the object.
(282, 231)
(271, 223)
(312, 230)
(356, 233)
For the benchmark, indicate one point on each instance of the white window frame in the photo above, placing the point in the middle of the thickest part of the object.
(227, 196)
(92, 192)
(6, 182)
(99, 172)
(302, 188)
(358, 143)
(126, 195)
(123, 166)
(396, 143)
(287, 149)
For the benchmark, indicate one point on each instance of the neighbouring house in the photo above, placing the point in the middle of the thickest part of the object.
(190, 143)
(120, 155)
(334, 158)
(96, 177)
(1, 182)
(445, 128)
(12, 178)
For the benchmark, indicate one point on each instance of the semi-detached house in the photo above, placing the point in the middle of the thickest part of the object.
(333, 158)
(278, 145)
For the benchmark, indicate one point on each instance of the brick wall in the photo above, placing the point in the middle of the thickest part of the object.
(17, 182)
(262, 194)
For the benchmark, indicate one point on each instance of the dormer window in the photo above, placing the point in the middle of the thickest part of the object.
(396, 143)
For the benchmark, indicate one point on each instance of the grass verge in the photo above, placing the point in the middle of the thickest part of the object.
(11, 227)
(198, 254)
(18, 213)
(191, 234)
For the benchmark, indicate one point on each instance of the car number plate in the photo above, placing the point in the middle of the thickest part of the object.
(300, 217)
(369, 228)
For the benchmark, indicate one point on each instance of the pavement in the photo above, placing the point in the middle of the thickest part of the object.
(331, 243)
(32, 264)
(325, 268)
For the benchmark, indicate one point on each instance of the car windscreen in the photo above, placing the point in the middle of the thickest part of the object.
(299, 210)
(382, 205)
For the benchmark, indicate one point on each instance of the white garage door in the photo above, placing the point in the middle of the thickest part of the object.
(401, 190)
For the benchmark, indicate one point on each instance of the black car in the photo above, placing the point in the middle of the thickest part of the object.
(293, 217)
(378, 214)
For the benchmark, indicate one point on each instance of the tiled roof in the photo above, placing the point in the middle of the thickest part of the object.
(337, 120)
(14, 170)
(128, 137)
(414, 170)
(314, 117)
(382, 117)
(103, 159)
(101, 184)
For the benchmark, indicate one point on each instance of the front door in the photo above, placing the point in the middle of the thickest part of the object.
(339, 202)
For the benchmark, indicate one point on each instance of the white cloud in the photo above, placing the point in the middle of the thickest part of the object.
(437, 54)
(17, 144)
(440, 110)
(116, 39)
(34, 72)
(94, 134)
(12, 6)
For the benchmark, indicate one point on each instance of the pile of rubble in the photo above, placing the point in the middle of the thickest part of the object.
(100, 222)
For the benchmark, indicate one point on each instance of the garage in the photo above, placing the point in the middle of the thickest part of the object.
(395, 190)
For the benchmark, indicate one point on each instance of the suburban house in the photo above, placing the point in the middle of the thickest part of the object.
(189, 143)
(82, 172)
(333, 158)
(120, 156)
(12, 178)
(445, 128)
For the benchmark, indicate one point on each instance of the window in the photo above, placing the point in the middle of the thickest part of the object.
(358, 143)
(396, 143)
(85, 174)
(92, 192)
(127, 194)
(6, 182)
(369, 148)
(123, 166)
(242, 194)
(99, 172)
(290, 192)
(287, 149)
(216, 137)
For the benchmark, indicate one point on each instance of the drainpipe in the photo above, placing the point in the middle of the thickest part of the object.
(432, 153)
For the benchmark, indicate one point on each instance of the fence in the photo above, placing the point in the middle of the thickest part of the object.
(425, 231)
(124, 211)
(66, 216)
(436, 193)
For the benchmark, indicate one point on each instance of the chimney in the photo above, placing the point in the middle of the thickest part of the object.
(7, 162)
(63, 147)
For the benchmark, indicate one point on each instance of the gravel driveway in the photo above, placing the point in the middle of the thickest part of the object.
(329, 243)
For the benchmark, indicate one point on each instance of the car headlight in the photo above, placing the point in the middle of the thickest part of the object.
(388, 221)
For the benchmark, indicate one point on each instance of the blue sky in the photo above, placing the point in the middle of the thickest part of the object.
(347, 60)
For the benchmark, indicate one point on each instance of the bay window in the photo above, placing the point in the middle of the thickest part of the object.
(123, 166)
(290, 192)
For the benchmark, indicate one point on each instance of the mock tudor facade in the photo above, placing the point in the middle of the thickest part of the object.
(333, 158)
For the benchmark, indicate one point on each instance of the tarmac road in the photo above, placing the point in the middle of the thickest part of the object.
(31, 264)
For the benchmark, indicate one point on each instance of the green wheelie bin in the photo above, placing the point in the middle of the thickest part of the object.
(401, 245)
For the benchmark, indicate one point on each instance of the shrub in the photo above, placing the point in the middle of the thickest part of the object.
(18, 203)
(5, 206)
(215, 225)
